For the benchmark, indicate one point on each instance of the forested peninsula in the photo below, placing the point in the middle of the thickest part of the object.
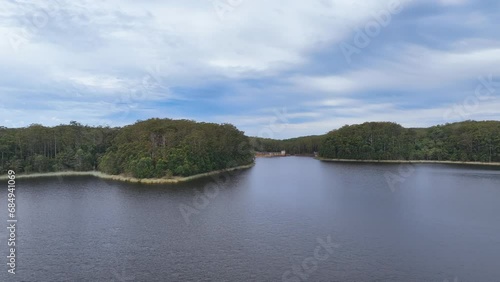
(156, 148)
(169, 149)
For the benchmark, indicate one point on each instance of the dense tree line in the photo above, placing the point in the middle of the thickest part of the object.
(165, 147)
(152, 148)
(307, 145)
(464, 141)
(46, 149)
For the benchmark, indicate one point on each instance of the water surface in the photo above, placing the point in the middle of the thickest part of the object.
(387, 222)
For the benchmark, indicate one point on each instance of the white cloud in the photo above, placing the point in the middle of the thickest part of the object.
(258, 37)
(105, 83)
(263, 54)
(414, 68)
(453, 2)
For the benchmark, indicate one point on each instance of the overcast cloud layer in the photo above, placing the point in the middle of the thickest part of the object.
(273, 68)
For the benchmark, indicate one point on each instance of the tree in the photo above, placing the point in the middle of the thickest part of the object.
(142, 168)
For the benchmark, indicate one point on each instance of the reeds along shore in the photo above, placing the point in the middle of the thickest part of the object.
(123, 178)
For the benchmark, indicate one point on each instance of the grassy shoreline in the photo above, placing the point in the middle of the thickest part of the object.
(408, 162)
(123, 178)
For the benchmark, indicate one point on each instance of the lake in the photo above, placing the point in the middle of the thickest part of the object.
(285, 219)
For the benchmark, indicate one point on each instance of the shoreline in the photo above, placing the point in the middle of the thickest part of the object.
(173, 180)
(284, 156)
(408, 162)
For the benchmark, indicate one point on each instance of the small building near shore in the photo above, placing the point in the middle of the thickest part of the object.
(270, 154)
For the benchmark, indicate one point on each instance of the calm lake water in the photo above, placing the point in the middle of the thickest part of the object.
(286, 219)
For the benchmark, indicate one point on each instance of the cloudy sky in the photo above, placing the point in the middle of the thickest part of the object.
(273, 68)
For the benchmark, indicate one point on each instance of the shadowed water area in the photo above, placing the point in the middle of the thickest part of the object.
(429, 223)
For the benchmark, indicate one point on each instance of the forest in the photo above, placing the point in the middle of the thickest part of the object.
(153, 148)
(158, 148)
(306, 146)
(471, 141)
